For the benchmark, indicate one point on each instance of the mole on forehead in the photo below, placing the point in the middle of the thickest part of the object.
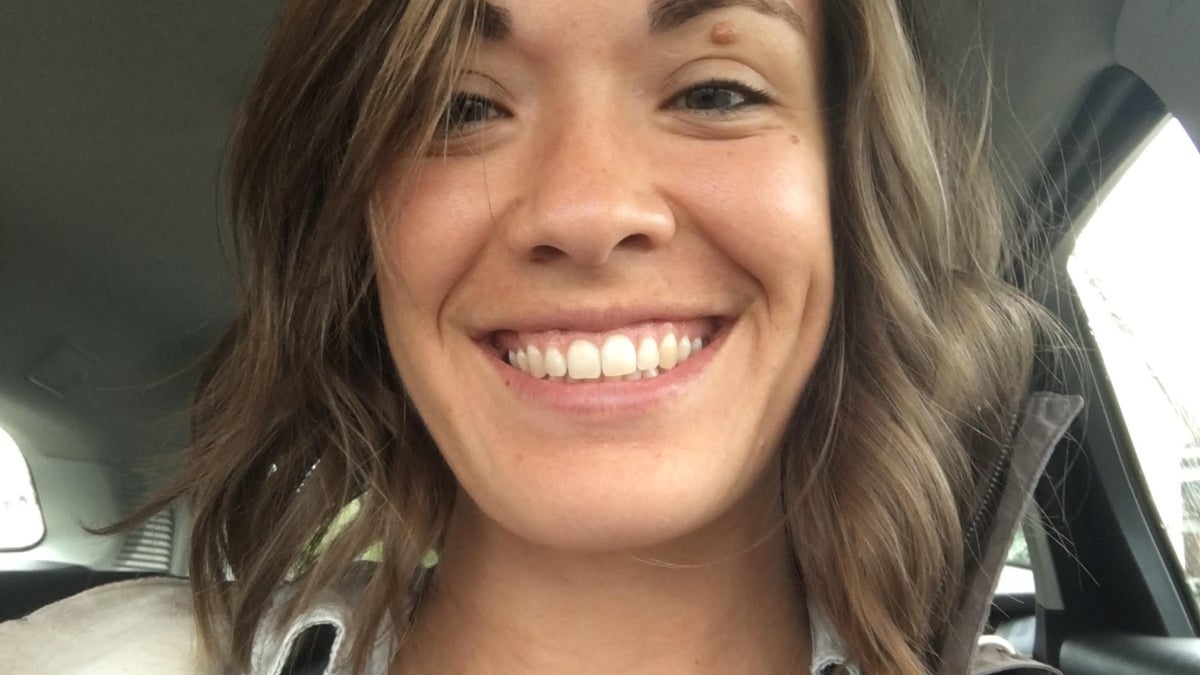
(723, 33)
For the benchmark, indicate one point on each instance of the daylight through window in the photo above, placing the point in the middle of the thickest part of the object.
(1134, 267)
(21, 524)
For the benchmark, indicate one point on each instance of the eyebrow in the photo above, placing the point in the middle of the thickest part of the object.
(665, 15)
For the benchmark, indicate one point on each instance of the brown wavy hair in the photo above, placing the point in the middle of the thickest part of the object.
(302, 411)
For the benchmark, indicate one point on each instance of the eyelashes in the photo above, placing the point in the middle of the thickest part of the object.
(719, 98)
(466, 111)
(710, 99)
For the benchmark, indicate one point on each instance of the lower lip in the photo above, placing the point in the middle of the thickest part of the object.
(606, 399)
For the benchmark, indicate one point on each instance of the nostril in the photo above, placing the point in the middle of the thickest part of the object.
(635, 241)
(545, 253)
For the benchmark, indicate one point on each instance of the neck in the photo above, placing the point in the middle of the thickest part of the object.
(500, 604)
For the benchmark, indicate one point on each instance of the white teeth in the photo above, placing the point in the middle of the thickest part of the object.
(556, 365)
(537, 362)
(583, 361)
(647, 354)
(668, 352)
(618, 357)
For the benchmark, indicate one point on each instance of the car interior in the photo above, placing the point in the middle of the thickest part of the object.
(115, 281)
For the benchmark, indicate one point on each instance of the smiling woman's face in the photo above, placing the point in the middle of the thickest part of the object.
(612, 178)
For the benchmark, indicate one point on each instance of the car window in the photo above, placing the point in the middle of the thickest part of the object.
(21, 524)
(1017, 577)
(1134, 269)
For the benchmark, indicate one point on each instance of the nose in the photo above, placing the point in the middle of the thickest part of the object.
(590, 194)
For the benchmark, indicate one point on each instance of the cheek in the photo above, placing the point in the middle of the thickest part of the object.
(766, 206)
(431, 234)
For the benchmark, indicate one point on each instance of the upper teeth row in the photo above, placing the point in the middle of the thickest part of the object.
(617, 358)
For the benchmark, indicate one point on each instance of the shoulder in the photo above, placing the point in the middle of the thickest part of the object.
(131, 627)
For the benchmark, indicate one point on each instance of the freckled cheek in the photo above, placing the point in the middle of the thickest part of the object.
(433, 234)
(769, 212)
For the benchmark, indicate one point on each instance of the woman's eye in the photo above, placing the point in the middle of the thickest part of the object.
(719, 97)
(465, 111)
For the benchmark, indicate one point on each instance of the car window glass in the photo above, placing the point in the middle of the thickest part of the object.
(21, 524)
(1134, 268)
(1017, 577)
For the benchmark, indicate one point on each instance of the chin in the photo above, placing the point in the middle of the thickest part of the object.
(622, 507)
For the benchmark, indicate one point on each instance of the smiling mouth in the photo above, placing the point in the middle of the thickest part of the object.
(638, 352)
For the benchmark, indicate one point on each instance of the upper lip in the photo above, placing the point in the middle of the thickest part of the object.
(598, 320)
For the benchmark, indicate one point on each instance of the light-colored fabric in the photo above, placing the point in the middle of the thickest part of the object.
(827, 649)
(332, 607)
(145, 627)
(992, 659)
(128, 628)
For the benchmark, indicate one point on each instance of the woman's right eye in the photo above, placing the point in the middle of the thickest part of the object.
(465, 111)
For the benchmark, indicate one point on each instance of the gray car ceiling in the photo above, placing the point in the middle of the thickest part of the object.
(114, 117)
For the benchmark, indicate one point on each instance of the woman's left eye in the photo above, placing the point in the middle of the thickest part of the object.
(719, 97)
(466, 111)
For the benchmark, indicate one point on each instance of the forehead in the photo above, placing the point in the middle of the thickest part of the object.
(502, 19)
